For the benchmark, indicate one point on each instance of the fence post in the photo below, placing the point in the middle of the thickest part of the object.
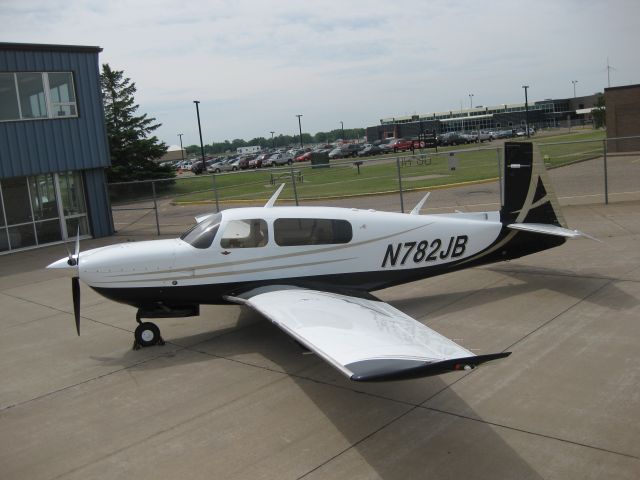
(155, 206)
(400, 184)
(215, 192)
(293, 182)
(606, 182)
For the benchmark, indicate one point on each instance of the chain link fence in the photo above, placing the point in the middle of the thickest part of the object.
(467, 179)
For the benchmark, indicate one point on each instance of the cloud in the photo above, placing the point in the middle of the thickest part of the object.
(254, 65)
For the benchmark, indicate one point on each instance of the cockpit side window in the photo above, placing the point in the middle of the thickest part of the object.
(249, 233)
(201, 235)
(290, 232)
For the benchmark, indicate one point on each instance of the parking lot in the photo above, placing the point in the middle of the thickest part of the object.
(230, 396)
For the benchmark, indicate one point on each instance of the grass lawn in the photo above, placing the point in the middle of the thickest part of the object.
(476, 162)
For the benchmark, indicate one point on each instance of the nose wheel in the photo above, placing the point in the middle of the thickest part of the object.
(146, 334)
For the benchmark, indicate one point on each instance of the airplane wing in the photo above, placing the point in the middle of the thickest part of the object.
(365, 339)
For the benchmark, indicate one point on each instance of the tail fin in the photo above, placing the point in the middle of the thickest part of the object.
(528, 196)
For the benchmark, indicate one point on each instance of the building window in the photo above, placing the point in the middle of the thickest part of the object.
(73, 205)
(37, 95)
(62, 95)
(41, 209)
(9, 109)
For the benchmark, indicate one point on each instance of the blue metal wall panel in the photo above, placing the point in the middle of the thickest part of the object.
(31, 147)
(100, 219)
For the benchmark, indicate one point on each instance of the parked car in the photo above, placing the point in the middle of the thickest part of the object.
(257, 161)
(482, 135)
(278, 159)
(304, 157)
(196, 166)
(401, 145)
(385, 145)
(470, 137)
(225, 165)
(352, 149)
(369, 150)
(451, 138)
(523, 132)
(337, 153)
(243, 162)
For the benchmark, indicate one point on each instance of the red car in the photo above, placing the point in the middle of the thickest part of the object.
(303, 157)
(401, 144)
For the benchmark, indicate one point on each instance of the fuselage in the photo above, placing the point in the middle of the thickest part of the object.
(343, 249)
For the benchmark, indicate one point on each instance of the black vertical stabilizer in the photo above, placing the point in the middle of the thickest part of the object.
(528, 196)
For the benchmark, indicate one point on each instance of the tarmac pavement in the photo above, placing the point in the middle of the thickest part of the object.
(231, 397)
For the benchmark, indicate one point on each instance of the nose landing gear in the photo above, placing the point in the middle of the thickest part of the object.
(147, 334)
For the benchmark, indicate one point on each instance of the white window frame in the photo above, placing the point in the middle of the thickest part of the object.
(50, 104)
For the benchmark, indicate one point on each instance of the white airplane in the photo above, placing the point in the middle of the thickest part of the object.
(310, 270)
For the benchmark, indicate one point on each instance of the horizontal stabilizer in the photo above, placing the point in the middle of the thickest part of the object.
(385, 370)
(548, 229)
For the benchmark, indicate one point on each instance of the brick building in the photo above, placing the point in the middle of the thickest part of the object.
(623, 117)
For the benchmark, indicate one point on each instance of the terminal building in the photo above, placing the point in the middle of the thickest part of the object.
(53, 146)
(541, 114)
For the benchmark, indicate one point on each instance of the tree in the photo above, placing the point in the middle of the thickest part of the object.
(132, 147)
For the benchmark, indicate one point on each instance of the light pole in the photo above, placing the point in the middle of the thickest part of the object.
(300, 127)
(204, 167)
(574, 87)
(181, 150)
(471, 100)
(342, 128)
(526, 109)
(273, 142)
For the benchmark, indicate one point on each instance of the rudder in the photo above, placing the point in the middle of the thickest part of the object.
(528, 196)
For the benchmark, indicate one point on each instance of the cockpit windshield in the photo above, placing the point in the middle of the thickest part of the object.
(201, 234)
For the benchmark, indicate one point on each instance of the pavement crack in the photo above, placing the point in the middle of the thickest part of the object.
(530, 432)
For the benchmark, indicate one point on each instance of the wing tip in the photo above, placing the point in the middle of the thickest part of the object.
(366, 371)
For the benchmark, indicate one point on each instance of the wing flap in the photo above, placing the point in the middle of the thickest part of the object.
(367, 340)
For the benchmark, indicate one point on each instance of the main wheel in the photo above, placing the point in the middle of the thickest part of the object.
(147, 334)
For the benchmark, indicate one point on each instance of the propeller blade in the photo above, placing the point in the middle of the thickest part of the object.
(75, 290)
(78, 246)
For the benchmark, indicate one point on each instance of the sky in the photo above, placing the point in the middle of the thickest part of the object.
(254, 65)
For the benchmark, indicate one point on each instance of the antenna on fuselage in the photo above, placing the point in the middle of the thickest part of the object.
(416, 209)
(274, 197)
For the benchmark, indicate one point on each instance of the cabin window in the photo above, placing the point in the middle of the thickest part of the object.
(311, 231)
(201, 235)
(245, 234)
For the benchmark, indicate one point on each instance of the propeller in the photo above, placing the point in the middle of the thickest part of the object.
(74, 260)
(75, 289)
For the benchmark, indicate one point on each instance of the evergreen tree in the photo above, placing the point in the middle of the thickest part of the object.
(132, 147)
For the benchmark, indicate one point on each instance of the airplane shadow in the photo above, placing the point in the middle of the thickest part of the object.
(534, 275)
(384, 424)
(529, 280)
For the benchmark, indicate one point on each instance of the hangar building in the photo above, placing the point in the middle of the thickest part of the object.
(53, 145)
